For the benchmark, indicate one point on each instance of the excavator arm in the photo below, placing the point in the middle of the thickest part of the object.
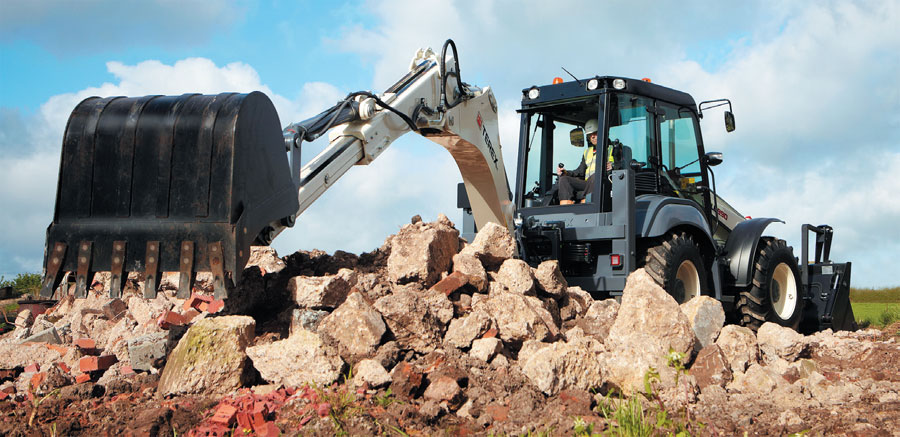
(188, 183)
(466, 126)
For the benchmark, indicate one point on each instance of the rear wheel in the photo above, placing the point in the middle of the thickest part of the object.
(677, 266)
(775, 293)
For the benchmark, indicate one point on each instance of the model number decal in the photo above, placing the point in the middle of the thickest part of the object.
(722, 214)
(487, 140)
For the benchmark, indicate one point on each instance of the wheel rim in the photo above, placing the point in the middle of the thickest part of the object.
(688, 281)
(783, 291)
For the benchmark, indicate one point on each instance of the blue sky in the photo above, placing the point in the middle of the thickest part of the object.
(815, 86)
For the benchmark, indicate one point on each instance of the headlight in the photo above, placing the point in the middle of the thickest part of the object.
(619, 84)
(534, 93)
(593, 84)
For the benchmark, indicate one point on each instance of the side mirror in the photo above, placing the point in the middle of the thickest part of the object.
(576, 137)
(714, 158)
(729, 121)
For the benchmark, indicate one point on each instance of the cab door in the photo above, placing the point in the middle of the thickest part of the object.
(682, 172)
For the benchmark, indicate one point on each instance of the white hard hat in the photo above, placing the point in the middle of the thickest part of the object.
(590, 127)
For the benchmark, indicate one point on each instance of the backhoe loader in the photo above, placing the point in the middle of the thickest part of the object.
(188, 183)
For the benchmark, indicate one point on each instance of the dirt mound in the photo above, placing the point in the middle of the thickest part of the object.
(430, 334)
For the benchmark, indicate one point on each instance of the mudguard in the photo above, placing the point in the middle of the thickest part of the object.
(741, 248)
(656, 215)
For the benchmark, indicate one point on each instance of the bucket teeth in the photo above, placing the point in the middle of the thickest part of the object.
(83, 274)
(215, 264)
(186, 274)
(151, 272)
(117, 269)
(54, 270)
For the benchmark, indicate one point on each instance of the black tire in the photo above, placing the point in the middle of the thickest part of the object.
(676, 265)
(775, 294)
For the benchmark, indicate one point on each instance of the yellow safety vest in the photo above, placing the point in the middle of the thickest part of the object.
(589, 161)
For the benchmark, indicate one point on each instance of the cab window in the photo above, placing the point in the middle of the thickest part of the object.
(630, 125)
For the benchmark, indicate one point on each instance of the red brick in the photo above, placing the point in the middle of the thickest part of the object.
(169, 319)
(195, 300)
(323, 409)
(7, 374)
(33, 368)
(82, 377)
(269, 429)
(63, 366)
(189, 315)
(85, 343)
(215, 306)
(126, 370)
(37, 379)
(224, 414)
(9, 389)
(243, 420)
(490, 333)
(203, 306)
(3, 395)
(90, 364)
(451, 283)
(499, 413)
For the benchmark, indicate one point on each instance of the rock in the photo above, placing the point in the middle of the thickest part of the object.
(500, 361)
(421, 252)
(444, 389)
(706, 317)
(470, 266)
(599, 318)
(320, 292)
(145, 350)
(756, 379)
(518, 318)
(410, 319)
(24, 319)
(711, 367)
(115, 309)
(406, 380)
(306, 319)
(464, 330)
(388, 354)
(210, 358)
(14, 355)
(48, 335)
(778, 341)
(649, 325)
(370, 372)
(296, 360)
(739, 346)
(430, 410)
(550, 278)
(485, 349)
(790, 419)
(266, 258)
(355, 326)
(49, 380)
(492, 245)
(575, 303)
(439, 305)
(564, 365)
(516, 275)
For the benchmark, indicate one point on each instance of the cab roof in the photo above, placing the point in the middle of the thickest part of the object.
(574, 89)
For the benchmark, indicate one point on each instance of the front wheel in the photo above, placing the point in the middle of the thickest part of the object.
(676, 265)
(775, 293)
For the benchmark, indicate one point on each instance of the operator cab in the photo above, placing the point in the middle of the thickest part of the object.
(648, 153)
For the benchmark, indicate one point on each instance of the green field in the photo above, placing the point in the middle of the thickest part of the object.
(875, 307)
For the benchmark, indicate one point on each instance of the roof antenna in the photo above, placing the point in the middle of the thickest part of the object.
(573, 76)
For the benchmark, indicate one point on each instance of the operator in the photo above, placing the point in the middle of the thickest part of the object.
(582, 178)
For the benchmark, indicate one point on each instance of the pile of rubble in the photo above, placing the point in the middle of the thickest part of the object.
(462, 335)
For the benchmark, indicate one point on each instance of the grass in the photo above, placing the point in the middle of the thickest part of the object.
(876, 307)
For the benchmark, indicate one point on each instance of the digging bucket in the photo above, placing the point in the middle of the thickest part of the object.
(167, 183)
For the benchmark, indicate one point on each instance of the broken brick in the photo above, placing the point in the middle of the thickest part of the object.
(224, 414)
(63, 366)
(85, 343)
(7, 374)
(90, 364)
(10, 389)
(215, 306)
(126, 370)
(3, 395)
(499, 413)
(195, 300)
(169, 319)
(37, 379)
(82, 377)
(323, 409)
(491, 333)
(451, 283)
(33, 368)
(268, 429)
(243, 420)
(189, 315)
